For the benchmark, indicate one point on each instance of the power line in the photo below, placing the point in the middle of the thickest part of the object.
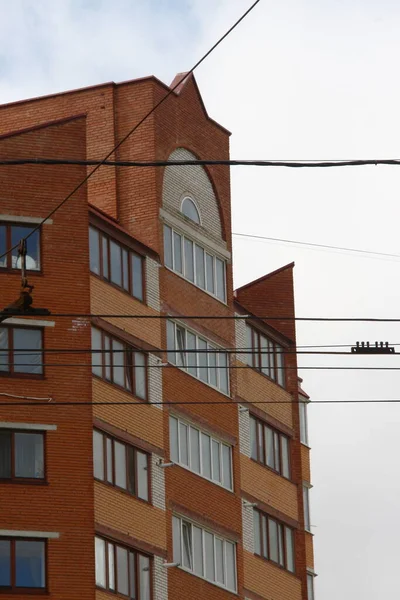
(200, 162)
(325, 246)
(135, 127)
(219, 350)
(208, 367)
(282, 318)
(198, 402)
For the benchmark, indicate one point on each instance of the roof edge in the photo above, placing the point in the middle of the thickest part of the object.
(42, 126)
(267, 276)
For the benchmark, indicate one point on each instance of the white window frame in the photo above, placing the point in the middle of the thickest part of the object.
(187, 197)
(303, 419)
(215, 537)
(174, 351)
(189, 445)
(306, 505)
(310, 588)
(214, 256)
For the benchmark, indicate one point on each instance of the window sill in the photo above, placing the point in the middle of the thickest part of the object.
(218, 585)
(117, 287)
(227, 394)
(288, 479)
(223, 302)
(203, 477)
(125, 492)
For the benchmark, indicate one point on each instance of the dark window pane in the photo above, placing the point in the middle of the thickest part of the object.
(98, 455)
(96, 356)
(115, 263)
(120, 465)
(144, 578)
(289, 549)
(5, 563)
(285, 456)
(210, 273)
(177, 252)
(173, 439)
(273, 540)
(219, 556)
(109, 451)
(187, 545)
(194, 450)
(29, 564)
(202, 359)
(206, 454)
(216, 460)
(256, 528)
(5, 454)
(137, 276)
(132, 575)
(122, 570)
(191, 356)
(104, 246)
(264, 535)
(223, 372)
(226, 467)
(29, 457)
(106, 357)
(200, 267)
(140, 375)
(94, 249)
(131, 469)
(189, 209)
(118, 363)
(183, 444)
(142, 474)
(253, 438)
(170, 342)
(28, 362)
(4, 356)
(269, 447)
(220, 273)
(198, 551)
(168, 246)
(230, 566)
(125, 270)
(32, 247)
(212, 367)
(209, 555)
(189, 260)
(3, 245)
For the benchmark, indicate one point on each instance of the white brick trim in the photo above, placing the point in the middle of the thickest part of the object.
(28, 426)
(28, 220)
(160, 579)
(155, 381)
(29, 534)
(244, 431)
(153, 283)
(31, 322)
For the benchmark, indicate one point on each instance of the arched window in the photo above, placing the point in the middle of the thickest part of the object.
(190, 210)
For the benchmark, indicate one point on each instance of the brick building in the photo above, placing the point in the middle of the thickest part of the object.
(205, 496)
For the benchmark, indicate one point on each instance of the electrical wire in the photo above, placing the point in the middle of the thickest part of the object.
(29, 352)
(230, 367)
(136, 126)
(313, 245)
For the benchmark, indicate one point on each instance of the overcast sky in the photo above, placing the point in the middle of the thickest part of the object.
(299, 79)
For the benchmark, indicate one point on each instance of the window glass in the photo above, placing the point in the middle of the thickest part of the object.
(122, 570)
(265, 357)
(132, 574)
(202, 359)
(4, 349)
(249, 345)
(219, 561)
(310, 587)
(306, 502)
(32, 247)
(111, 566)
(96, 356)
(289, 549)
(276, 452)
(223, 372)
(280, 366)
(189, 259)
(131, 469)
(176, 539)
(187, 545)
(171, 342)
(140, 375)
(285, 456)
(29, 457)
(230, 566)
(168, 246)
(197, 550)
(137, 276)
(200, 267)
(194, 450)
(5, 454)
(273, 540)
(216, 460)
(206, 454)
(5, 563)
(180, 344)
(3, 246)
(269, 447)
(226, 467)
(256, 527)
(27, 339)
(212, 367)
(191, 356)
(104, 249)
(125, 270)
(210, 273)
(177, 252)
(220, 277)
(183, 444)
(144, 577)
(94, 249)
(303, 418)
(260, 438)
(189, 209)
(118, 363)
(29, 564)
(173, 439)
(115, 263)
(253, 438)
(120, 464)
(209, 555)
(264, 535)
(142, 470)
(280, 545)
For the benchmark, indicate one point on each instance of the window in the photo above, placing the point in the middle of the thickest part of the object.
(200, 452)
(116, 264)
(192, 261)
(197, 356)
(269, 447)
(306, 503)
(266, 356)
(190, 210)
(122, 570)
(310, 586)
(21, 350)
(22, 564)
(21, 455)
(274, 541)
(303, 421)
(119, 363)
(120, 465)
(10, 235)
(204, 554)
